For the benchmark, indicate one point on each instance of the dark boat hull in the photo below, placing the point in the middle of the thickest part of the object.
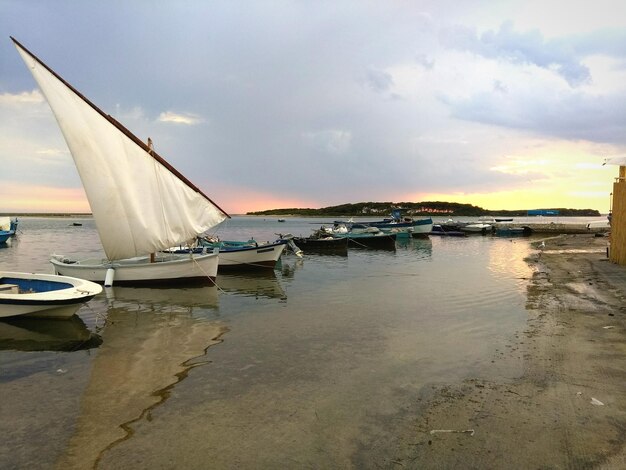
(386, 241)
(321, 244)
(447, 231)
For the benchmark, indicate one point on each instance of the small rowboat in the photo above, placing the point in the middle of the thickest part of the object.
(43, 295)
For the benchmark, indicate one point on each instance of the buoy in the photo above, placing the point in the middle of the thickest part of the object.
(108, 278)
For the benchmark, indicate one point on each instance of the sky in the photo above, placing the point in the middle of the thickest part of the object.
(279, 104)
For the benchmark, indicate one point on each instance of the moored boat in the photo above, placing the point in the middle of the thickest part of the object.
(236, 255)
(43, 295)
(261, 256)
(141, 204)
(477, 227)
(322, 244)
(158, 270)
(397, 223)
(440, 231)
(369, 240)
(5, 235)
(8, 229)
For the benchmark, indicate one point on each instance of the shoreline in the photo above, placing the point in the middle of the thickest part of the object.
(568, 407)
(51, 215)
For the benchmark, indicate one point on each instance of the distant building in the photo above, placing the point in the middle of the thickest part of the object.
(431, 210)
(542, 212)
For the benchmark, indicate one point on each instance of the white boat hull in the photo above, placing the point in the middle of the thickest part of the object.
(476, 228)
(422, 228)
(256, 257)
(170, 269)
(18, 299)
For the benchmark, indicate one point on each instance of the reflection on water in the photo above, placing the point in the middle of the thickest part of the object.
(422, 247)
(257, 284)
(163, 300)
(151, 339)
(40, 334)
(322, 360)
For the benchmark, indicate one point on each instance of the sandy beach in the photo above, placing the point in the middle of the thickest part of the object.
(568, 409)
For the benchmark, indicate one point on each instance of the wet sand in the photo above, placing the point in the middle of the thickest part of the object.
(568, 409)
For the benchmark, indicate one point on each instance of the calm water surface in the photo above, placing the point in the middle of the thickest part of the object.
(319, 364)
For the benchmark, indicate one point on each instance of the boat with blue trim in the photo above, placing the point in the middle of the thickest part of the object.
(238, 255)
(43, 295)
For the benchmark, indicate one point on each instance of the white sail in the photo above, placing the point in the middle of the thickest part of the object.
(139, 202)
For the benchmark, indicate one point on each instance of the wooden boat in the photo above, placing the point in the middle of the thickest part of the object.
(5, 235)
(397, 223)
(477, 227)
(141, 204)
(379, 240)
(234, 255)
(440, 231)
(8, 229)
(43, 295)
(365, 237)
(257, 256)
(322, 244)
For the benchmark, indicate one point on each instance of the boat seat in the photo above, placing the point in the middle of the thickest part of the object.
(9, 289)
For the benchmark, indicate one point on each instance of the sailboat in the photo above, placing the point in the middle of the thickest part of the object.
(141, 204)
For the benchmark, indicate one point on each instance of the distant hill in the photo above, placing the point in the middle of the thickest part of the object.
(433, 208)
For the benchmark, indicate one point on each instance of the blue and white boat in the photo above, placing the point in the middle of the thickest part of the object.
(7, 229)
(5, 235)
(239, 255)
(43, 295)
(363, 237)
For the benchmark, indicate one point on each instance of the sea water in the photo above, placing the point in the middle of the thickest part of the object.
(321, 363)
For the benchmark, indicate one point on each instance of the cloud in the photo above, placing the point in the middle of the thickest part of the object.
(425, 61)
(499, 86)
(307, 95)
(527, 48)
(178, 118)
(379, 80)
(54, 152)
(19, 99)
(333, 141)
(548, 112)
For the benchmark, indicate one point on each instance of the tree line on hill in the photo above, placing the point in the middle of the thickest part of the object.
(432, 208)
